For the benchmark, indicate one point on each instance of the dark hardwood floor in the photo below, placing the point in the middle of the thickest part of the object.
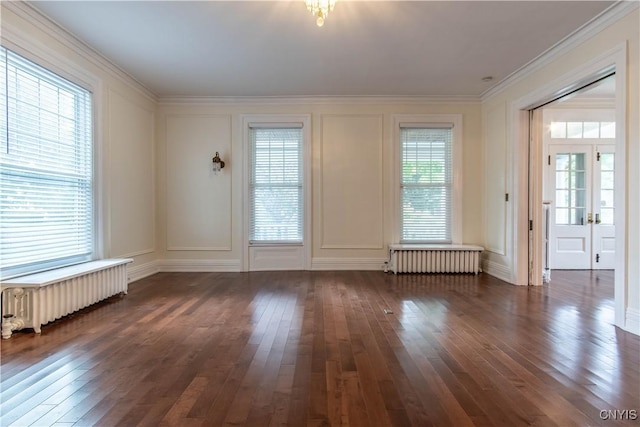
(317, 349)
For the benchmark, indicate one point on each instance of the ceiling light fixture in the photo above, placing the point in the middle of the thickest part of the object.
(320, 8)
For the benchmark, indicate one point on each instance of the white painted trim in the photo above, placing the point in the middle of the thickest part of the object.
(620, 195)
(32, 14)
(375, 264)
(614, 13)
(199, 265)
(141, 271)
(458, 142)
(536, 187)
(315, 100)
(496, 270)
(612, 60)
(305, 119)
(632, 323)
(102, 218)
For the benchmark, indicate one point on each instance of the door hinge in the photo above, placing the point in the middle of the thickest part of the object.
(549, 160)
(506, 197)
(530, 225)
(598, 156)
(597, 257)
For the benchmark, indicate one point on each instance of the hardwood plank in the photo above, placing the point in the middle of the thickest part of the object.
(316, 349)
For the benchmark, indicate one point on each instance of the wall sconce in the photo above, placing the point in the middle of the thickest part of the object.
(217, 163)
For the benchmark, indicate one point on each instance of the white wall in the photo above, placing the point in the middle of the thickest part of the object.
(125, 132)
(200, 215)
(500, 171)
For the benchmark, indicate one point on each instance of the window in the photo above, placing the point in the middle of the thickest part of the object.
(580, 130)
(429, 194)
(46, 173)
(276, 185)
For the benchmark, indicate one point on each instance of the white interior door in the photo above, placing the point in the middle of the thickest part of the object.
(581, 186)
(570, 231)
(604, 230)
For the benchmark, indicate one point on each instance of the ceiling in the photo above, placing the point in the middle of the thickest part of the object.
(365, 48)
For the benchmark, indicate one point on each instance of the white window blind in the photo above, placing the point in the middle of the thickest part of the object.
(426, 184)
(46, 178)
(276, 185)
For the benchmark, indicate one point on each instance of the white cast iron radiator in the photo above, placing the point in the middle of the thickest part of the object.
(37, 299)
(435, 258)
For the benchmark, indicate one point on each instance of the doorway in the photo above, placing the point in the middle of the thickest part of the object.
(527, 178)
(578, 181)
(578, 171)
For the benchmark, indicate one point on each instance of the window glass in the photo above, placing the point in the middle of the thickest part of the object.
(426, 184)
(276, 190)
(607, 130)
(574, 130)
(591, 129)
(558, 129)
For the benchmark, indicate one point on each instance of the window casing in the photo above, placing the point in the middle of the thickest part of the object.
(276, 187)
(46, 169)
(429, 178)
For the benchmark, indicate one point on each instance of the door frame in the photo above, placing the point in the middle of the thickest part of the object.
(613, 61)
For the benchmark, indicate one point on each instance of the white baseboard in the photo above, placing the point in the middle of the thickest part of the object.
(234, 265)
(141, 271)
(348, 263)
(200, 265)
(632, 321)
(496, 270)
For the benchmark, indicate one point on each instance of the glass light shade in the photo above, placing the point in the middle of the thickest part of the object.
(320, 8)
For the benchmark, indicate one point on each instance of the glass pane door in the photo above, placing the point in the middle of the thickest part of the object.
(606, 188)
(571, 190)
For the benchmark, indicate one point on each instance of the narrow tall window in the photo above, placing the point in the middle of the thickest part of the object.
(276, 185)
(46, 172)
(426, 181)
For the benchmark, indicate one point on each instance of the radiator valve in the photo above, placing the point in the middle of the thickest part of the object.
(9, 324)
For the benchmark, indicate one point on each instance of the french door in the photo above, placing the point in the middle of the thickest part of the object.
(580, 186)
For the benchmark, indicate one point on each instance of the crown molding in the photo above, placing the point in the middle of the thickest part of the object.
(32, 14)
(315, 100)
(614, 13)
